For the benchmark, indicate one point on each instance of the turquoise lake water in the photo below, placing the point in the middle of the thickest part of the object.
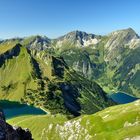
(13, 109)
(122, 98)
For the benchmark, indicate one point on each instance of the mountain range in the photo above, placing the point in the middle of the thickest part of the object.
(112, 60)
(71, 78)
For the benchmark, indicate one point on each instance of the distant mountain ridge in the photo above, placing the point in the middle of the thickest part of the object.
(76, 36)
(112, 60)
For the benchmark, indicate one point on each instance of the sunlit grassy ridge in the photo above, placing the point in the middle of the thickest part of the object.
(38, 124)
(4, 46)
(15, 76)
(114, 123)
(45, 80)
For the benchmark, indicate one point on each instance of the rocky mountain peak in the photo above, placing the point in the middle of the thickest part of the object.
(121, 39)
(36, 42)
(77, 35)
(79, 39)
(128, 33)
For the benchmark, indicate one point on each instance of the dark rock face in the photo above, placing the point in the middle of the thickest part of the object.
(70, 95)
(8, 132)
(59, 66)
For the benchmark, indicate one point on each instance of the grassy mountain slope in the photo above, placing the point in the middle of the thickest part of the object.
(113, 60)
(121, 56)
(37, 124)
(7, 45)
(114, 123)
(15, 72)
(41, 79)
(62, 90)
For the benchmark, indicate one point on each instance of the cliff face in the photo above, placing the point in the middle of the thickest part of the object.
(8, 132)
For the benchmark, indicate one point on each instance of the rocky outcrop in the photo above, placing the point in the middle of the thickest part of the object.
(78, 38)
(119, 42)
(36, 42)
(8, 132)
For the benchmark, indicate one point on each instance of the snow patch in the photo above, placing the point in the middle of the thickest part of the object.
(90, 42)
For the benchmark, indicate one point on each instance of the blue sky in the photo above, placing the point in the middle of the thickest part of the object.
(54, 18)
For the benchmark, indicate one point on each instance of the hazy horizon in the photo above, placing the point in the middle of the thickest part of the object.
(54, 18)
(62, 34)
